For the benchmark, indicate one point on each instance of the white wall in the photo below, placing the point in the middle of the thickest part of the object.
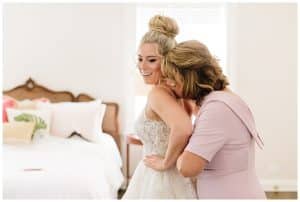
(76, 47)
(85, 48)
(262, 50)
(91, 48)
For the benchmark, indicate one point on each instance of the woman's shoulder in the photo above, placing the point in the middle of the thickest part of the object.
(161, 95)
(226, 102)
(227, 97)
(161, 90)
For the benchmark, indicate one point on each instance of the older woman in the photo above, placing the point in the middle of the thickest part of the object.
(220, 151)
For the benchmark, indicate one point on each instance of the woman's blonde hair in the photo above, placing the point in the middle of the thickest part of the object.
(191, 63)
(162, 31)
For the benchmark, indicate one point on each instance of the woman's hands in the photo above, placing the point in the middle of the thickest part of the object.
(155, 162)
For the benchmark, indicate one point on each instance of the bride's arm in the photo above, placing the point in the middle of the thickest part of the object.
(167, 107)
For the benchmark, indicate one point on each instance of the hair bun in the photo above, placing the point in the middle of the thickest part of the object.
(164, 25)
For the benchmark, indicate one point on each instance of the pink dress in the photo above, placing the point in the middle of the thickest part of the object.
(225, 136)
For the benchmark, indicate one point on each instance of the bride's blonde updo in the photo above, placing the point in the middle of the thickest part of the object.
(162, 31)
(191, 63)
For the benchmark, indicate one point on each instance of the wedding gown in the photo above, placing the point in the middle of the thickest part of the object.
(147, 183)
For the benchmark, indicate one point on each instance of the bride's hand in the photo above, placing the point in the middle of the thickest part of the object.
(155, 162)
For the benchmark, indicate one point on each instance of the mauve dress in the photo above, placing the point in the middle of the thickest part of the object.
(225, 136)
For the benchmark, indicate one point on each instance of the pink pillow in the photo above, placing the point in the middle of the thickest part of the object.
(8, 102)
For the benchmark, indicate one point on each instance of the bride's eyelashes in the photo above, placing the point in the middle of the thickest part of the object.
(150, 60)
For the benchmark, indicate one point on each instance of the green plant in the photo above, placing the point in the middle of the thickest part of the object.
(39, 122)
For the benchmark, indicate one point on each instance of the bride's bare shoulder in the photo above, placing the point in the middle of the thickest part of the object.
(161, 89)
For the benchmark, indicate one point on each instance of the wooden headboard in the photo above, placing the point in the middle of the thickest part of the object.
(31, 90)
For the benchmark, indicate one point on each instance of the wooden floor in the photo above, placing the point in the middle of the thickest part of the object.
(281, 195)
(270, 195)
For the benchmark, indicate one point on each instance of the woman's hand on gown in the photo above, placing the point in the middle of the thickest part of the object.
(155, 162)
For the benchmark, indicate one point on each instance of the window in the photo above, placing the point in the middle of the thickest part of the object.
(203, 22)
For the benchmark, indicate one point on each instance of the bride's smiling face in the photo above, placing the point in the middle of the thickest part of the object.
(149, 63)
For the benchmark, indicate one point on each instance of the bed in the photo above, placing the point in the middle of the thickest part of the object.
(63, 168)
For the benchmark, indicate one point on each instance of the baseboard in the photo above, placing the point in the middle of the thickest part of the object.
(279, 185)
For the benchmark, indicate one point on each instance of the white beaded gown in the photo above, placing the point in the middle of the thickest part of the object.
(147, 183)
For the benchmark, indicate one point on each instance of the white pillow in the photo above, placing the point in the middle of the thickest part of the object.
(84, 118)
(44, 115)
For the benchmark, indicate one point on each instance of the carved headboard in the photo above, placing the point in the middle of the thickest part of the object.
(31, 90)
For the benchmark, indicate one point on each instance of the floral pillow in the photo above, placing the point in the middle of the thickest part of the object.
(39, 123)
(26, 104)
(9, 102)
(18, 132)
(31, 104)
(40, 118)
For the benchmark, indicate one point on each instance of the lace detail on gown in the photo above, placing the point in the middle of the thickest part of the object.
(154, 135)
(147, 183)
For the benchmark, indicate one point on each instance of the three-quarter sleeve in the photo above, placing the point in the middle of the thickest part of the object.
(210, 132)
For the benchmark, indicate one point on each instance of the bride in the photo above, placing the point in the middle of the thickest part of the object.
(164, 125)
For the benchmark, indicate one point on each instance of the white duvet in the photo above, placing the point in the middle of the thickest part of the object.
(58, 168)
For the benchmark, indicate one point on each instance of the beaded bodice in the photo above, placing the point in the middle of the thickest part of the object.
(154, 135)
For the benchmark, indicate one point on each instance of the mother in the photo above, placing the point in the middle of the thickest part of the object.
(221, 149)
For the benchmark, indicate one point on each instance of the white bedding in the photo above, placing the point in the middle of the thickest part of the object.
(66, 169)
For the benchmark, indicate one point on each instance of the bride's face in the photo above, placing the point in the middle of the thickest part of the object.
(149, 63)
